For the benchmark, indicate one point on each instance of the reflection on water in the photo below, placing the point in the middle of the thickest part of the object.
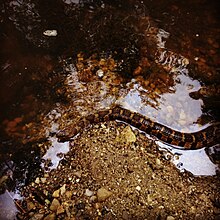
(177, 109)
(54, 154)
(195, 161)
(7, 206)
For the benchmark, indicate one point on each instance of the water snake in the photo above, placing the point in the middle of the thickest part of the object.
(203, 138)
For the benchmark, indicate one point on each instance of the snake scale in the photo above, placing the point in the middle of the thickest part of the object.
(204, 138)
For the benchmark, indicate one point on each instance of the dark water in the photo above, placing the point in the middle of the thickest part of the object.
(31, 72)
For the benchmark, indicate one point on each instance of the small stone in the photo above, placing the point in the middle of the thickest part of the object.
(88, 192)
(50, 33)
(78, 173)
(43, 180)
(193, 209)
(149, 198)
(37, 216)
(127, 135)
(158, 162)
(60, 210)
(93, 198)
(170, 109)
(30, 206)
(138, 188)
(182, 115)
(182, 122)
(69, 194)
(170, 217)
(37, 181)
(125, 215)
(103, 194)
(54, 205)
(100, 73)
(47, 201)
(51, 216)
(56, 193)
(63, 189)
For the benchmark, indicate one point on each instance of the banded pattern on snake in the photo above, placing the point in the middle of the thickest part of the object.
(204, 138)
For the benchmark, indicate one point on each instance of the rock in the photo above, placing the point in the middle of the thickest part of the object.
(30, 206)
(103, 194)
(127, 135)
(88, 192)
(37, 216)
(43, 180)
(182, 115)
(54, 205)
(170, 217)
(170, 109)
(158, 162)
(56, 193)
(51, 216)
(138, 188)
(63, 189)
(69, 194)
(60, 210)
(37, 181)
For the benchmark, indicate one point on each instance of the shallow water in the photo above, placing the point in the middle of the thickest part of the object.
(149, 57)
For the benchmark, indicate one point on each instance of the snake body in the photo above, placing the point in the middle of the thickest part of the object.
(203, 138)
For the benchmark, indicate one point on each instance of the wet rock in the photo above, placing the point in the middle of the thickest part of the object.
(103, 194)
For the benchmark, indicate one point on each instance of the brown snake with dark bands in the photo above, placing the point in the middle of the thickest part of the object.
(204, 138)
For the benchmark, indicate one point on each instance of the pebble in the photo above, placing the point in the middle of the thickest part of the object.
(170, 217)
(50, 33)
(51, 216)
(182, 115)
(127, 135)
(37, 216)
(56, 193)
(182, 122)
(158, 162)
(30, 206)
(37, 181)
(43, 180)
(54, 205)
(103, 194)
(78, 173)
(88, 192)
(60, 210)
(169, 108)
(69, 194)
(138, 188)
(63, 189)
(100, 73)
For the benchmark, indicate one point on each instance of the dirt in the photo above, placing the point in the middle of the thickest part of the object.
(114, 172)
(110, 170)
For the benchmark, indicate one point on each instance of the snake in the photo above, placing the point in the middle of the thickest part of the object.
(207, 137)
